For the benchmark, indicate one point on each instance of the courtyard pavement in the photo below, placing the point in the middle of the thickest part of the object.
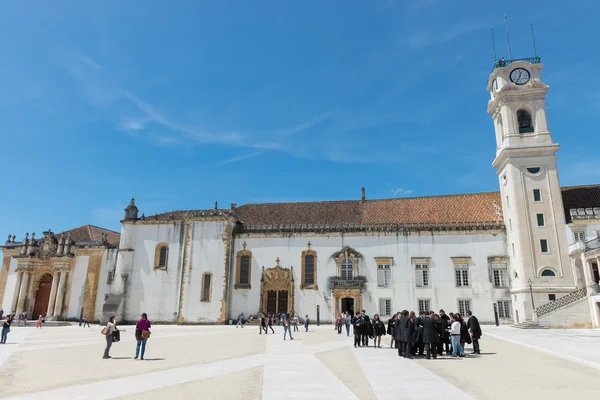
(224, 362)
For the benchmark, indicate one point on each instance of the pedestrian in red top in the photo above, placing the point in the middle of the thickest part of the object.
(142, 333)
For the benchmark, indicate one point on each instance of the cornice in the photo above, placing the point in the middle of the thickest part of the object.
(508, 152)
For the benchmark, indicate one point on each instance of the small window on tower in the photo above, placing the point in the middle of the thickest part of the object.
(534, 170)
(524, 119)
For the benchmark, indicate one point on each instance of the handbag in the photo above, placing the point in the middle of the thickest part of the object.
(105, 331)
(145, 334)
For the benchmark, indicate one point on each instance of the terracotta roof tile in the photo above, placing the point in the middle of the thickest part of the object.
(90, 233)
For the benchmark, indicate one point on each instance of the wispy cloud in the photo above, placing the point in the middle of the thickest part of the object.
(240, 157)
(401, 192)
(428, 37)
(307, 124)
(133, 125)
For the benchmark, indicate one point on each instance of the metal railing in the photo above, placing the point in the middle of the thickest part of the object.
(561, 302)
(505, 63)
(592, 244)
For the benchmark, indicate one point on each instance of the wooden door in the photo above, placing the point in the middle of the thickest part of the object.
(43, 297)
(271, 302)
(282, 302)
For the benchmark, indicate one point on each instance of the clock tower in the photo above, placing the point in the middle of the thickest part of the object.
(531, 196)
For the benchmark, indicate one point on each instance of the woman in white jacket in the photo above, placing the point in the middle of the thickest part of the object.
(455, 335)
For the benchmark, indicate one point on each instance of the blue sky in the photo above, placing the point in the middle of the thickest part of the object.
(269, 101)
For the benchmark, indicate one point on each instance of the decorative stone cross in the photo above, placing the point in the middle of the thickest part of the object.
(244, 245)
(309, 244)
(277, 261)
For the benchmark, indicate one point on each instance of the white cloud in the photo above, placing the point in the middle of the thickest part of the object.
(133, 125)
(401, 192)
(240, 157)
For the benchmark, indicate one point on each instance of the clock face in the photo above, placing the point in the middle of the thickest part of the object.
(495, 85)
(520, 76)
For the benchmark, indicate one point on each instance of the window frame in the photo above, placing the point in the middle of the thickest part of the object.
(238, 261)
(548, 276)
(470, 304)
(502, 270)
(428, 302)
(578, 233)
(537, 217)
(381, 312)
(387, 272)
(203, 288)
(542, 246)
(303, 284)
(157, 256)
(425, 275)
(504, 312)
(462, 267)
(539, 192)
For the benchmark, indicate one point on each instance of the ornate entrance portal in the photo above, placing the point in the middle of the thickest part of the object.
(43, 296)
(277, 290)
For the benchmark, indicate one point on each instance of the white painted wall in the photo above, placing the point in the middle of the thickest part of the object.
(403, 291)
(109, 263)
(590, 227)
(79, 272)
(9, 291)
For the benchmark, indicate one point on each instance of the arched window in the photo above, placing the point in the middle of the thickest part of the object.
(309, 269)
(525, 122)
(548, 272)
(161, 256)
(244, 268)
(346, 270)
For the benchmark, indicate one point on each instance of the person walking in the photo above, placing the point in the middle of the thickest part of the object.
(295, 321)
(142, 334)
(270, 323)
(306, 323)
(8, 319)
(286, 326)
(86, 321)
(108, 331)
(457, 349)
(240, 320)
(338, 324)
(263, 324)
(474, 330)
(347, 322)
(378, 331)
(38, 323)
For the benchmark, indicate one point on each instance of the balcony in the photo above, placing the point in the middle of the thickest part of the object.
(577, 247)
(505, 63)
(358, 282)
(593, 244)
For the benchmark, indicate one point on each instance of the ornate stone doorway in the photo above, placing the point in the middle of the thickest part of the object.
(348, 305)
(277, 290)
(42, 297)
(346, 300)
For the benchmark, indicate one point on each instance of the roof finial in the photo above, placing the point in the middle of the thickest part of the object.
(309, 244)
(244, 245)
(277, 261)
(216, 205)
(363, 196)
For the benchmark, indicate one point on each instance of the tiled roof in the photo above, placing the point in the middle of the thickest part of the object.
(587, 196)
(460, 209)
(91, 233)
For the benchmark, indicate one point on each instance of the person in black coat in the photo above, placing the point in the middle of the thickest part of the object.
(404, 330)
(358, 322)
(378, 330)
(445, 338)
(474, 330)
(391, 328)
(465, 337)
(431, 328)
(367, 331)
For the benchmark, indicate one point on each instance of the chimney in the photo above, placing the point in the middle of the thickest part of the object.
(363, 196)
(233, 206)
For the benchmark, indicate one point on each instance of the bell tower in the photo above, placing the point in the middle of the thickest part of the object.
(529, 185)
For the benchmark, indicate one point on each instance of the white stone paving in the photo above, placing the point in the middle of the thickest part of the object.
(14, 339)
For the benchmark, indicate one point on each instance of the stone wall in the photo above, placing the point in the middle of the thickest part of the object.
(575, 315)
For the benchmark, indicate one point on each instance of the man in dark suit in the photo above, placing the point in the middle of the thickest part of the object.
(404, 334)
(358, 328)
(445, 338)
(367, 329)
(430, 335)
(474, 330)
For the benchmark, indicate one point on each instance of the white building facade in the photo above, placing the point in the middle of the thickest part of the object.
(529, 253)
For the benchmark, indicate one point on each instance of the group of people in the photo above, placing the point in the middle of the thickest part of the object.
(426, 335)
(287, 320)
(142, 334)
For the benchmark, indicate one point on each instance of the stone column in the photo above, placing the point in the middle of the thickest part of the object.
(16, 294)
(52, 300)
(587, 273)
(60, 294)
(23, 292)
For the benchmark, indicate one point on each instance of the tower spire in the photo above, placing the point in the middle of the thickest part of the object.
(533, 39)
(507, 37)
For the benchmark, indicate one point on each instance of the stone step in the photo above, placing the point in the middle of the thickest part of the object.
(528, 325)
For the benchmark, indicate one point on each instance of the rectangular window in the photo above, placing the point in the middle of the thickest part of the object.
(510, 224)
(540, 220)
(422, 272)
(385, 307)
(384, 275)
(500, 273)
(544, 245)
(424, 306)
(513, 248)
(111, 277)
(461, 272)
(347, 269)
(551, 297)
(464, 306)
(206, 281)
(537, 195)
(244, 270)
(503, 309)
(309, 269)
(507, 203)
(579, 236)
